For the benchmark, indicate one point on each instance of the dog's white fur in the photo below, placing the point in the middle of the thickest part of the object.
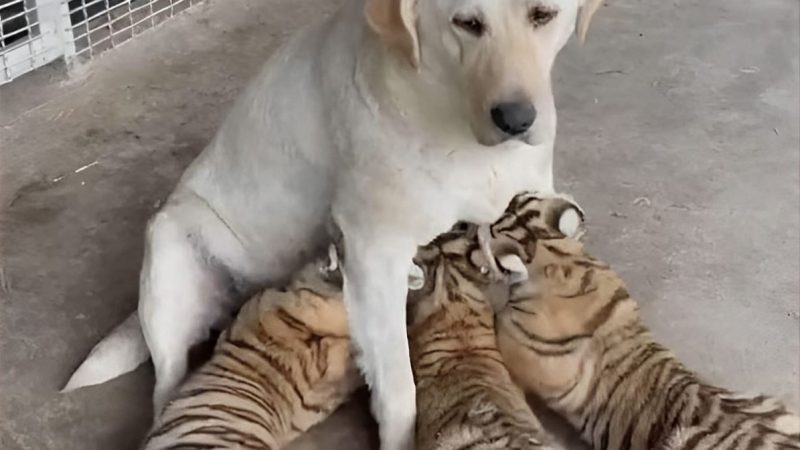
(381, 124)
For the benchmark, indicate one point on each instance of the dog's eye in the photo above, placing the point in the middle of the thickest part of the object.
(541, 15)
(471, 25)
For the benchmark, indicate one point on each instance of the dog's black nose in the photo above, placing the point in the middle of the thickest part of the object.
(513, 117)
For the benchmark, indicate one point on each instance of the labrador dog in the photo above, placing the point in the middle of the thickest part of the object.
(392, 118)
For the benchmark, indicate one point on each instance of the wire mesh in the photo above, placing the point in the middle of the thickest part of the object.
(35, 32)
(25, 43)
(99, 25)
(18, 21)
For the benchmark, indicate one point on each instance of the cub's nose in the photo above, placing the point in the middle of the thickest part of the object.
(513, 118)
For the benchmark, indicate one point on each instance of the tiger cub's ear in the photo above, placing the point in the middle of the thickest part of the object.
(416, 277)
(567, 215)
(332, 264)
(512, 265)
(329, 268)
(571, 223)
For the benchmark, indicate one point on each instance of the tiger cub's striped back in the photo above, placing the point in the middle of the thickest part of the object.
(571, 334)
(465, 396)
(283, 366)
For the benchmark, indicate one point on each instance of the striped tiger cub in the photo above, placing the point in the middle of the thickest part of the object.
(283, 366)
(572, 335)
(465, 396)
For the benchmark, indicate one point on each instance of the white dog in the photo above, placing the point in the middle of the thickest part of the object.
(396, 118)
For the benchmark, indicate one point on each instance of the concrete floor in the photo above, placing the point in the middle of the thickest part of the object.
(678, 133)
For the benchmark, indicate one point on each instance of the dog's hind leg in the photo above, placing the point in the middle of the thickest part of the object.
(182, 292)
(376, 275)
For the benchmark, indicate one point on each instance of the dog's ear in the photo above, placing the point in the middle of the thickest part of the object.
(394, 21)
(588, 8)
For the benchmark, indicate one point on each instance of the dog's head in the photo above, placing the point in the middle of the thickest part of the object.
(490, 59)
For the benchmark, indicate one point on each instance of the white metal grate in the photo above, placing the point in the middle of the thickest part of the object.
(98, 25)
(29, 36)
(36, 32)
(17, 21)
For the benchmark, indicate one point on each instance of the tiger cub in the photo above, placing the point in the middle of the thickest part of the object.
(281, 367)
(285, 364)
(465, 396)
(572, 335)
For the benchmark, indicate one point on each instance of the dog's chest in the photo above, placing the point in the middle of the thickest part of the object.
(426, 190)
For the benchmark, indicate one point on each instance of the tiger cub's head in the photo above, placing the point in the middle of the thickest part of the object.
(551, 319)
(456, 270)
(453, 271)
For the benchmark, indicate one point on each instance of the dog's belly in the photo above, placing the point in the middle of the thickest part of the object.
(268, 173)
(270, 193)
(269, 230)
(272, 200)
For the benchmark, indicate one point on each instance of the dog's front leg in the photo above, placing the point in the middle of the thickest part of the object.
(376, 269)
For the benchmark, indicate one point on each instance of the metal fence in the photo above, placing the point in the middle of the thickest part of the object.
(36, 32)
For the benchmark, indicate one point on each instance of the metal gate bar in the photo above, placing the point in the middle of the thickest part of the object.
(31, 35)
(36, 32)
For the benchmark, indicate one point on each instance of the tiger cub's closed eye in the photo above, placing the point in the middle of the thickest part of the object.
(541, 15)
